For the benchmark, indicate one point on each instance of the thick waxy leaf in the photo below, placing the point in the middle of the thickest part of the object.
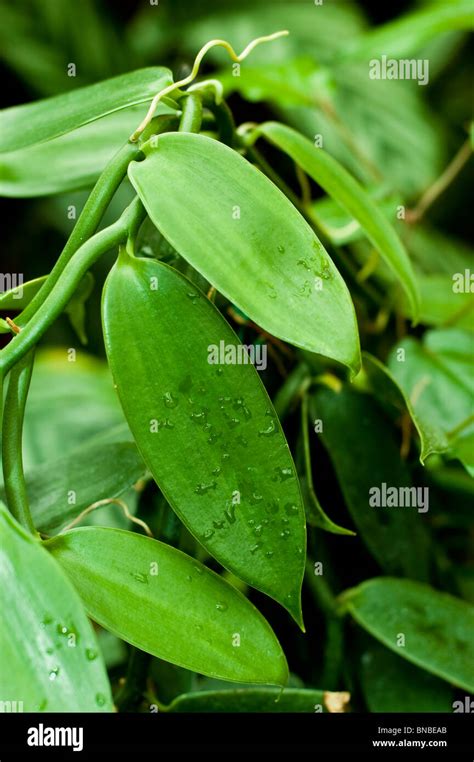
(59, 490)
(68, 162)
(207, 432)
(168, 604)
(35, 122)
(344, 189)
(254, 700)
(392, 684)
(436, 376)
(340, 227)
(437, 627)
(394, 535)
(238, 222)
(49, 657)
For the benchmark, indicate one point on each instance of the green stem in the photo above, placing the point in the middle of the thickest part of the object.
(65, 287)
(87, 224)
(334, 643)
(134, 687)
(224, 121)
(191, 118)
(12, 453)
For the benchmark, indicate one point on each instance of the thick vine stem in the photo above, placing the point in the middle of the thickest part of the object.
(191, 118)
(66, 285)
(12, 435)
(87, 223)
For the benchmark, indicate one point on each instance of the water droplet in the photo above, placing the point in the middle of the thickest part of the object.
(269, 553)
(281, 249)
(233, 422)
(198, 569)
(216, 471)
(199, 418)
(251, 522)
(258, 530)
(269, 431)
(229, 513)
(194, 297)
(255, 547)
(140, 577)
(189, 578)
(225, 456)
(291, 510)
(61, 629)
(202, 489)
(220, 371)
(91, 654)
(220, 524)
(47, 619)
(54, 674)
(282, 474)
(221, 606)
(241, 440)
(208, 534)
(256, 498)
(169, 400)
(100, 699)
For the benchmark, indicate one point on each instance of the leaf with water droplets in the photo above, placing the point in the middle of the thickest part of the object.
(168, 604)
(345, 189)
(221, 460)
(247, 239)
(46, 641)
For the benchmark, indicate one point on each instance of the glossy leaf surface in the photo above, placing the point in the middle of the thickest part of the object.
(24, 125)
(49, 657)
(208, 432)
(168, 604)
(240, 228)
(251, 700)
(344, 189)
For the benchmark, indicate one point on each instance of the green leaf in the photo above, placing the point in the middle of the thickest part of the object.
(251, 700)
(30, 123)
(71, 399)
(49, 654)
(365, 455)
(68, 162)
(391, 684)
(436, 376)
(405, 35)
(344, 189)
(238, 221)
(168, 604)
(208, 433)
(440, 305)
(437, 627)
(58, 491)
(386, 389)
(339, 226)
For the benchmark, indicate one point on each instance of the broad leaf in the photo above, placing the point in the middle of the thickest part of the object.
(365, 455)
(392, 684)
(436, 376)
(60, 489)
(49, 654)
(168, 604)
(24, 125)
(207, 432)
(436, 627)
(344, 189)
(68, 162)
(238, 221)
(253, 700)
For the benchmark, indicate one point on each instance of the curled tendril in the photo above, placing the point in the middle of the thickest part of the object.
(194, 72)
